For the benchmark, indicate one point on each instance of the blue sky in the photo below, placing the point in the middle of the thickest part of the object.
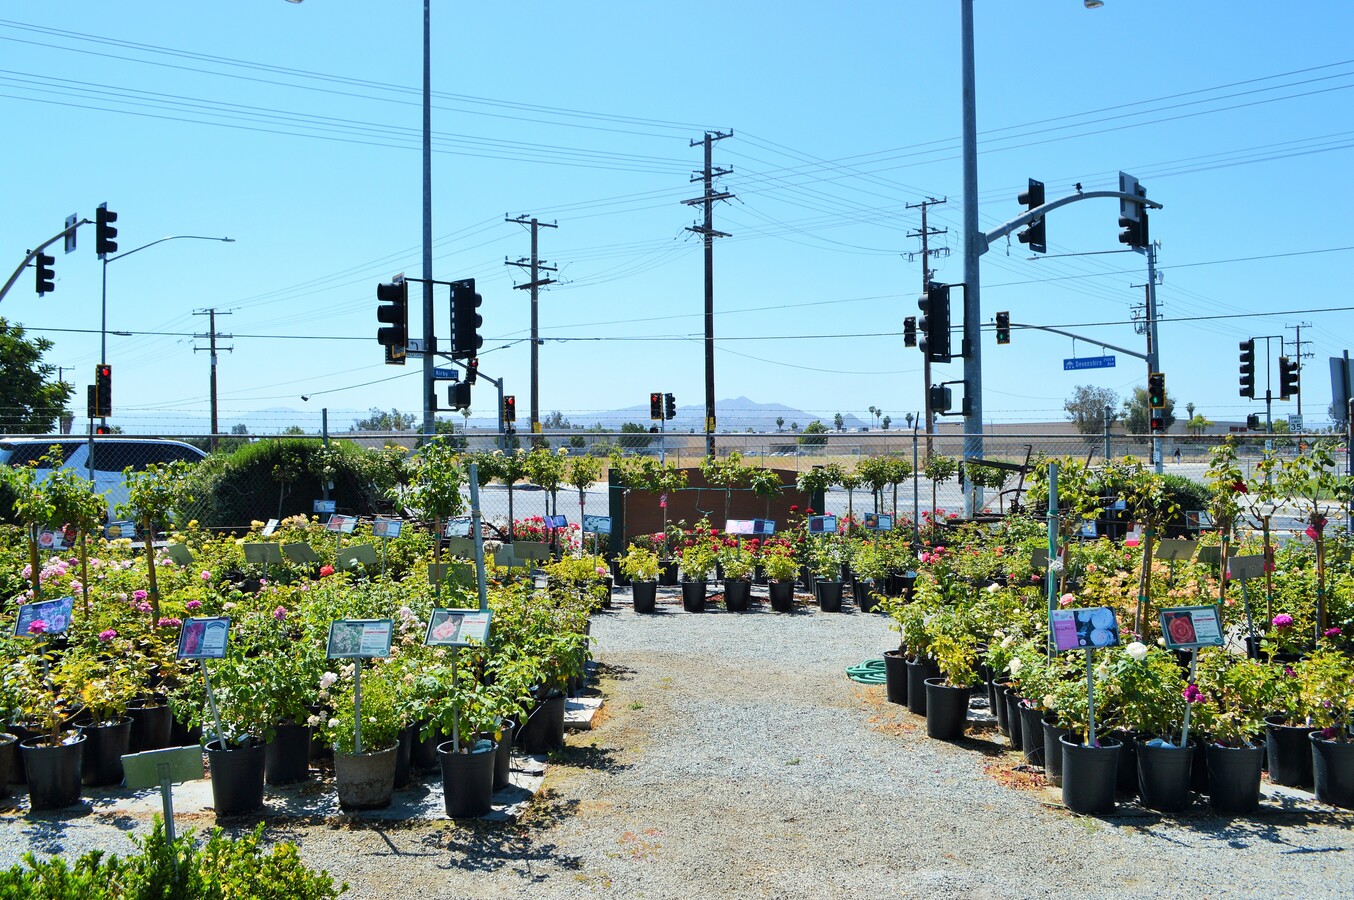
(294, 129)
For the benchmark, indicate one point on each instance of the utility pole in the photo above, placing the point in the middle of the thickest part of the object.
(537, 266)
(926, 272)
(1298, 357)
(212, 336)
(429, 325)
(707, 231)
(1149, 327)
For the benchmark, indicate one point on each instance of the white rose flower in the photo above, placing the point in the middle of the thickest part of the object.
(1137, 651)
(1016, 665)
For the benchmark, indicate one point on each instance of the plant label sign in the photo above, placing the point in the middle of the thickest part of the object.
(386, 528)
(597, 524)
(458, 527)
(740, 526)
(1083, 629)
(324, 506)
(55, 616)
(269, 528)
(822, 524)
(204, 638)
(878, 522)
(1191, 627)
(341, 524)
(50, 539)
(457, 627)
(763, 526)
(360, 638)
(557, 521)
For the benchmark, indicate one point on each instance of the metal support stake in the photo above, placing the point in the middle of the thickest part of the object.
(211, 703)
(455, 711)
(916, 481)
(1254, 650)
(357, 706)
(167, 798)
(1193, 662)
(477, 534)
(1090, 697)
(1052, 548)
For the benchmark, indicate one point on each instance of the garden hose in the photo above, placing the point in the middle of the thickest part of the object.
(869, 672)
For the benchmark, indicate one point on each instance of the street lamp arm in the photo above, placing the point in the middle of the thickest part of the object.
(172, 237)
(1039, 212)
(1082, 337)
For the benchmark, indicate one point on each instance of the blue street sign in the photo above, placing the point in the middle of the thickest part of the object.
(446, 374)
(1088, 362)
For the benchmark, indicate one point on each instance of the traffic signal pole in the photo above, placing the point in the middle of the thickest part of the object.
(1153, 349)
(33, 254)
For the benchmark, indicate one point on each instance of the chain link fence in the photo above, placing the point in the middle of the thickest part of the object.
(248, 479)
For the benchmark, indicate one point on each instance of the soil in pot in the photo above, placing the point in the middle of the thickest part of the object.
(917, 673)
(237, 778)
(1234, 777)
(467, 779)
(105, 745)
(895, 676)
(946, 709)
(1333, 771)
(1089, 774)
(644, 595)
(1164, 776)
(1289, 752)
(53, 772)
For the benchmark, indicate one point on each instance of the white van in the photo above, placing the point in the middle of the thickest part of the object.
(111, 456)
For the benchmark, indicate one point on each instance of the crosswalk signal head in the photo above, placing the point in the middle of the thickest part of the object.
(1034, 233)
(669, 406)
(465, 320)
(1288, 377)
(910, 331)
(509, 409)
(1247, 371)
(103, 429)
(1003, 328)
(656, 406)
(1156, 390)
(46, 273)
(1253, 422)
(459, 395)
(104, 232)
(394, 313)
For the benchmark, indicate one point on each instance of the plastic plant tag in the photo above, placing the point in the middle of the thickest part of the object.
(1191, 627)
(1083, 629)
(204, 638)
(457, 627)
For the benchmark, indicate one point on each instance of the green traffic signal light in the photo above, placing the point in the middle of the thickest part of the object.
(1156, 390)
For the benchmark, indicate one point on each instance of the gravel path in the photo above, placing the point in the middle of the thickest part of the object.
(734, 758)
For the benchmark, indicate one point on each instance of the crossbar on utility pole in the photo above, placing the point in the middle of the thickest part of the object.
(537, 266)
(212, 336)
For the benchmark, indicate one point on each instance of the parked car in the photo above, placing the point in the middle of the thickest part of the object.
(112, 455)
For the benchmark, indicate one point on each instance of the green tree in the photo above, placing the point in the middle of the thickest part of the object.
(1137, 412)
(838, 422)
(634, 436)
(385, 421)
(815, 434)
(30, 401)
(780, 422)
(885, 422)
(1086, 408)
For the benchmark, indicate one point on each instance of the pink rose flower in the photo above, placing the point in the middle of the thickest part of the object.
(206, 576)
(280, 614)
(1192, 693)
(107, 635)
(326, 571)
(1282, 621)
(193, 605)
(37, 626)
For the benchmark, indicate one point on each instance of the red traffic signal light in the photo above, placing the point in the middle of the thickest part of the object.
(510, 409)
(656, 406)
(103, 390)
(1158, 422)
(103, 429)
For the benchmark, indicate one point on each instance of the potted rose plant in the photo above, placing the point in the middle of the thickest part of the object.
(780, 564)
(1230, 696)
(363, 775)
(698, 561)
(737, 564)
(956, 653)
(1326, 692)
(640, 565)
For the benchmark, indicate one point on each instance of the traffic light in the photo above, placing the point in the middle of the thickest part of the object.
(910, 331)
(1158, 423)
(472, 371)
(465, 320)
(1034, 233)
(509, 409)
(46, 274)
(459, 395)
(103, 429)
(1003, 328)
(1253, 422)
(104, 232)
(669, 406)
(655, 406)
(934, 324)
(940, 398)
(1132, 215)
(394, 312)
(103, 390)
(1288, 377)
(1248, 368)
(1156, 390)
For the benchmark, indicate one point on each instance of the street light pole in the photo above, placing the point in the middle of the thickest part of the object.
(429, 330)
(103, 303)
(971, 346)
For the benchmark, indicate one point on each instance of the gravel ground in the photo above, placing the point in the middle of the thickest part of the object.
(734, 758)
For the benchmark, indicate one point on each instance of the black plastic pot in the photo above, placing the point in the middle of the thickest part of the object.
(737, 594)
(1234, 777)
(693, 596)
(9, 753)
(829, 594)
(1127, 780)
(1089, 774)
(152, 725)
(101, 763)
(895, 676)
(782, 595)
(946, 709)
(1015, 731)
(917, 673)
(286, 758)
(181, 734)
(862, 594)
(23, 733)
(644, 595)
(237, 778)
(1032, 734)
(1289, 752)
(423, 751)
(404, 754)
(1053, 751)
(1163, 776)
(899, 584)
(543, 730)
(999, 689)
(1333, 771)
(53, 773)
(503, 756)
(668, 574)
(467, 779)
